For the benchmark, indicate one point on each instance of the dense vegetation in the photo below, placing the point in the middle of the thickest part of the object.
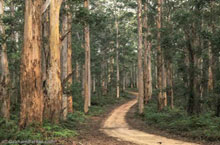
(71, 58)
(176, 121)
(54, 132)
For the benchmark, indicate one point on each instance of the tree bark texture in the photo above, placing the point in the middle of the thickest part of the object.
(52, 110)
(159, 60)
(31, 76)
(87, 82)
(4, 71)
(140, 63)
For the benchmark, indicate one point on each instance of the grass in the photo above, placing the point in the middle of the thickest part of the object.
(205, 126)
(10, 131)
(66, 129)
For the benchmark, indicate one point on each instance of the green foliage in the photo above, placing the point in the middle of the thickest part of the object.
(73, 120)
(10, 131)
(177, 121)
(53, 131)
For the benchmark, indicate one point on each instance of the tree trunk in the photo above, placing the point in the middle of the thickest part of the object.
(210, 52)
(83, 81)
(77, 72)
(94, 84)
(156, 83)
(164, 79)
(117, 60)
(140, 53)
(69, 63)
(87, 64)
(159, 60)
(103, 80)
(147, 59)
(64, 64)
(145, 26)
(52, 110)
(187, 64)
(149, 73)
(14, 80)
(191, 101)
(30, 77)
(170, 83)
(45, 50)
(210, 70)
(4, 71)
(131, 77)
(124, 82)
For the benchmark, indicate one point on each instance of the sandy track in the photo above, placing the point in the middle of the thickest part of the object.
(116, 126)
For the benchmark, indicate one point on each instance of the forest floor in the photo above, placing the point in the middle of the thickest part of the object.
(117, 126)
(138, 122)
(120, 125)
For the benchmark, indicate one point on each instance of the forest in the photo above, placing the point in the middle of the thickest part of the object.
(110, 72)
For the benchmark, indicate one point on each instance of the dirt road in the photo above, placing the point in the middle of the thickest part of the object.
(116, 126)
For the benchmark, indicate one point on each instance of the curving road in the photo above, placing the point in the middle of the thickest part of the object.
(116, 126)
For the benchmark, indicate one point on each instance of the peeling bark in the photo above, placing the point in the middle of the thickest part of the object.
(64, 64)
(30, 77)
(52, 110)
(69, 62)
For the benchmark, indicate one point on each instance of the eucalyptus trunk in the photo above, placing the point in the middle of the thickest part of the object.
(52, 109)
(87, 83)
(4, 71)
(64, 65)
(30, 70)
(164, 81)
(140, 63)
(69, 62)
(159, 60)
(147, 58)
(117, 60)
(170, 83)
(210, 69)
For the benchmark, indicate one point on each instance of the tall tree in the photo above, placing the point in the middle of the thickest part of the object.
(117, 59)
(147, 56)
(69, 60)
(140, 54)
(64, 62)
(210, 52)
(170, 83)
(53, 99)
(87, 83)
(210, 69)
(4, 71)
(159, 59)
(30, 76)
(164, 80)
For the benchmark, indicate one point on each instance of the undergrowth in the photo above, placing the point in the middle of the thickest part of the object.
(9, 130)
(206, 126)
